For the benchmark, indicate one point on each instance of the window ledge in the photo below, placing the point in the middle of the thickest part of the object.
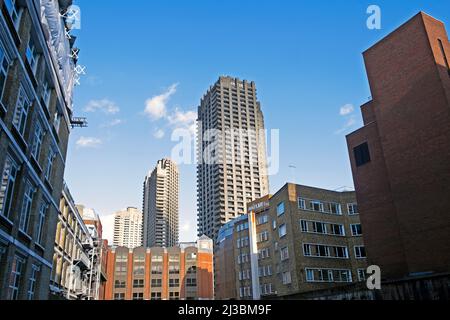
(3, 109)
(39, 246)
(25, 235)
(6, 219)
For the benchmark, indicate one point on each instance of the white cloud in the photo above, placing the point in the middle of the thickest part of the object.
(112, 123)
(347, 109)
(186, 227)
(159, 134)
(183, 120)
(88, 142)
(156, 107)
(351, 121)
(108, 227)
(104, 105)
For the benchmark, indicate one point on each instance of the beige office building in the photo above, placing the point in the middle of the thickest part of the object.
(128, 228)
(160, 209)
(232, 169)
(298, 241)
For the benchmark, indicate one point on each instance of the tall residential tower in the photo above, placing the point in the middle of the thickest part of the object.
(232, 169)
(128, 228)
(161, 189)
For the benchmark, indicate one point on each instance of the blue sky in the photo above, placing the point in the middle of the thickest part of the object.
(305, 57)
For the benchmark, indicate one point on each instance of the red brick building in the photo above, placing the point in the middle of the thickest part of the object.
(183, 272)
(401, 157)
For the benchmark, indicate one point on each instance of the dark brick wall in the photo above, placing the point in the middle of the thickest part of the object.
(404, 192)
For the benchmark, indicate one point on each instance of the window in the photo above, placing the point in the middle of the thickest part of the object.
(57, 121)
(21, 113)
(307, 250)
(156, 296)
(14, 11)
(356, 230)
(32, 281)
(335, 208)
(282, 231)
(46, 93)
(316, 206)
(32, 55)
(139, 270)
(174, 269)
(337, 229)
(360, 252)
(319, 227)
(286, 278)
(280, 209)
(284, 252)
(41, 223)
(138, 283)
(362, 154)
(328, 275)
(340, 252)
(26, 207)
(14, 279)
(174, 283)
(304, 226)
(49, 165)
(138, 296)
(174, 296)
(4, 66)
(362, 275)
(157, 258)
(301, 204)
(261, 237)
(9, 175)
(120, 284)
(119, 296)
(157, 269)
(441, 45)
(352, 209)
(191, 282)
(38, 138)
(262, 219)
(156, 283)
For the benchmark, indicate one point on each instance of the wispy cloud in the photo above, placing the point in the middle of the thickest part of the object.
(112, 123)
(347, 109)
(104, 105)
(159, 134)
(156, 107)
(183, 120)
(88, 142)
(347, 112)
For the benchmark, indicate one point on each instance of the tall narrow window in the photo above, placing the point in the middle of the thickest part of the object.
(32, 55)
(362, 154)
(8, 181)
(38, 138)
(15, 277)
(21, 114)
(26, 207)
(14, 11)
(32, 281)
(49, 165)
(46, 93)
(41, 223)
(441, 45)
(4, 66)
